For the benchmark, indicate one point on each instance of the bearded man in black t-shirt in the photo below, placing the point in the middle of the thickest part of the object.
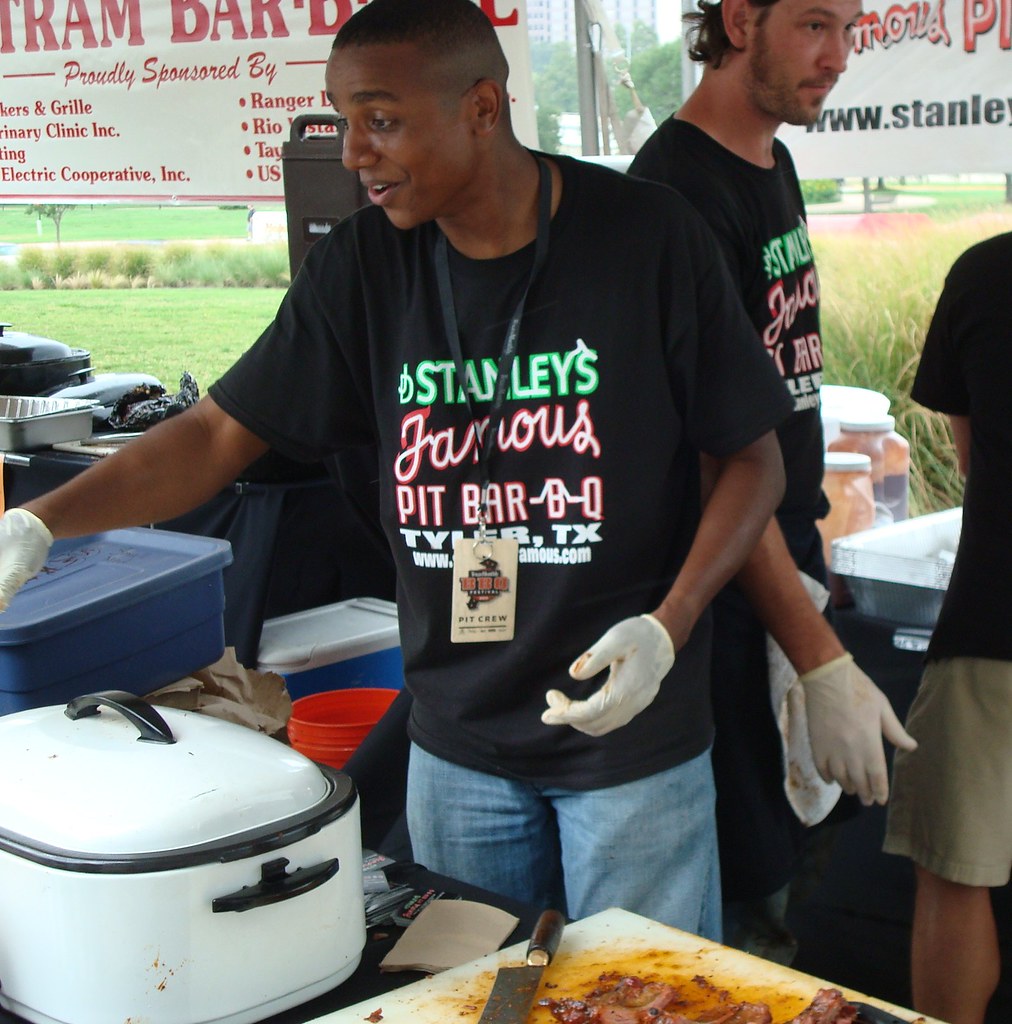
(767, 63)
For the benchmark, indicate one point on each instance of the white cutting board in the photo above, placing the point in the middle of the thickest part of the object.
(609, 942)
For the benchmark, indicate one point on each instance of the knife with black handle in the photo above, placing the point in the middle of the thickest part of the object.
(513, 993)
(868, 1014)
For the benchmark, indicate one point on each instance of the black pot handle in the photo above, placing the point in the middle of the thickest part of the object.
(275, 885)
(151, 726)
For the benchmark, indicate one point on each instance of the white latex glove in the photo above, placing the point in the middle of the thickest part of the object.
(640, 654)
(25, 541)
(847, 717)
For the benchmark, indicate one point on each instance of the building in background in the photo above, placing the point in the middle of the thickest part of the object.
(552, 21)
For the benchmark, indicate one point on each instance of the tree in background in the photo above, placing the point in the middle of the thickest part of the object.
(654, 69)
(53, 212)
(548, 128)
(657, 74)
(555, 89)
(554, 69)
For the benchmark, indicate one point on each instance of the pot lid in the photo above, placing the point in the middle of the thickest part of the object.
(16, 347)
(125, 778)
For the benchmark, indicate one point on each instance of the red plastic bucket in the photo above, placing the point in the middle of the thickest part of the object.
(329, 726)
(335, 756)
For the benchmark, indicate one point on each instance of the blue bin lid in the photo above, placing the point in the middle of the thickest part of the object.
(90, 577)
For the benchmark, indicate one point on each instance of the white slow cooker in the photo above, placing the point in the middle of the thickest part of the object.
(164, 867)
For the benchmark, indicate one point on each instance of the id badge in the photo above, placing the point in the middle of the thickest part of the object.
(484, 600)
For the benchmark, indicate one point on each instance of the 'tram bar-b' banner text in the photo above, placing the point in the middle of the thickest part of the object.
(928, 90)
(177, 100)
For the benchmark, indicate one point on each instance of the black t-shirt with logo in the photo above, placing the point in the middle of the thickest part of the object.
(634, 354)
(758, 216)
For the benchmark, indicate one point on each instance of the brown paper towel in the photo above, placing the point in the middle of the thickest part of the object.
(448, 933)
(228, 690)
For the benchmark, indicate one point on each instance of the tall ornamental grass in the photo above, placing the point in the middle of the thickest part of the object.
(879, 291)
(175, 265)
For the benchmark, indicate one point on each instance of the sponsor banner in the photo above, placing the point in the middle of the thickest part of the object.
(928, 90)
(177, 100)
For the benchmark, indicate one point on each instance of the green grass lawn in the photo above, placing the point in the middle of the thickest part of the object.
(161, 331)
(941, 200)
(133, 223)
(956, 195)
(955, 200)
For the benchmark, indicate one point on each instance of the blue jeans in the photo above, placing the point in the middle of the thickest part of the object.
(649, 847)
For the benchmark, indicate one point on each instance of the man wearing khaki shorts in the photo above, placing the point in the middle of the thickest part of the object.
(949, 810)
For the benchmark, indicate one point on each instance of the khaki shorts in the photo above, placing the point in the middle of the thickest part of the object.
(950, 808)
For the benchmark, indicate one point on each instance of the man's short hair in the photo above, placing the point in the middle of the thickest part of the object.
(455, 33)
(707, 38)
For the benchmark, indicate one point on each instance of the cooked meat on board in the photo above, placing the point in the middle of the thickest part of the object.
(631, 1000)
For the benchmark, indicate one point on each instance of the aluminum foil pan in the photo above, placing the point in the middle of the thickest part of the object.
(900, 572)
(27, 423)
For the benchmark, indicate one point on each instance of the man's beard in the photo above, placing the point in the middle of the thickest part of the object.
(772, 91)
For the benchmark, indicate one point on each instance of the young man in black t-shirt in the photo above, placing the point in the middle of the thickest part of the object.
(538, 398)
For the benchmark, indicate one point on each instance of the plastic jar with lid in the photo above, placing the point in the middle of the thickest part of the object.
(848, 486)
(890, 461)
(896, 476)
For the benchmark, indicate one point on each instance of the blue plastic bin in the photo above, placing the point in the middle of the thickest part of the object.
(336, 646)
(127, 610)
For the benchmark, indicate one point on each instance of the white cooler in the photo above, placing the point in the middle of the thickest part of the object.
(352, 643)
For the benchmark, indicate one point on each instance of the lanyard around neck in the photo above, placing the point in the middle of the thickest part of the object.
(510, 344)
